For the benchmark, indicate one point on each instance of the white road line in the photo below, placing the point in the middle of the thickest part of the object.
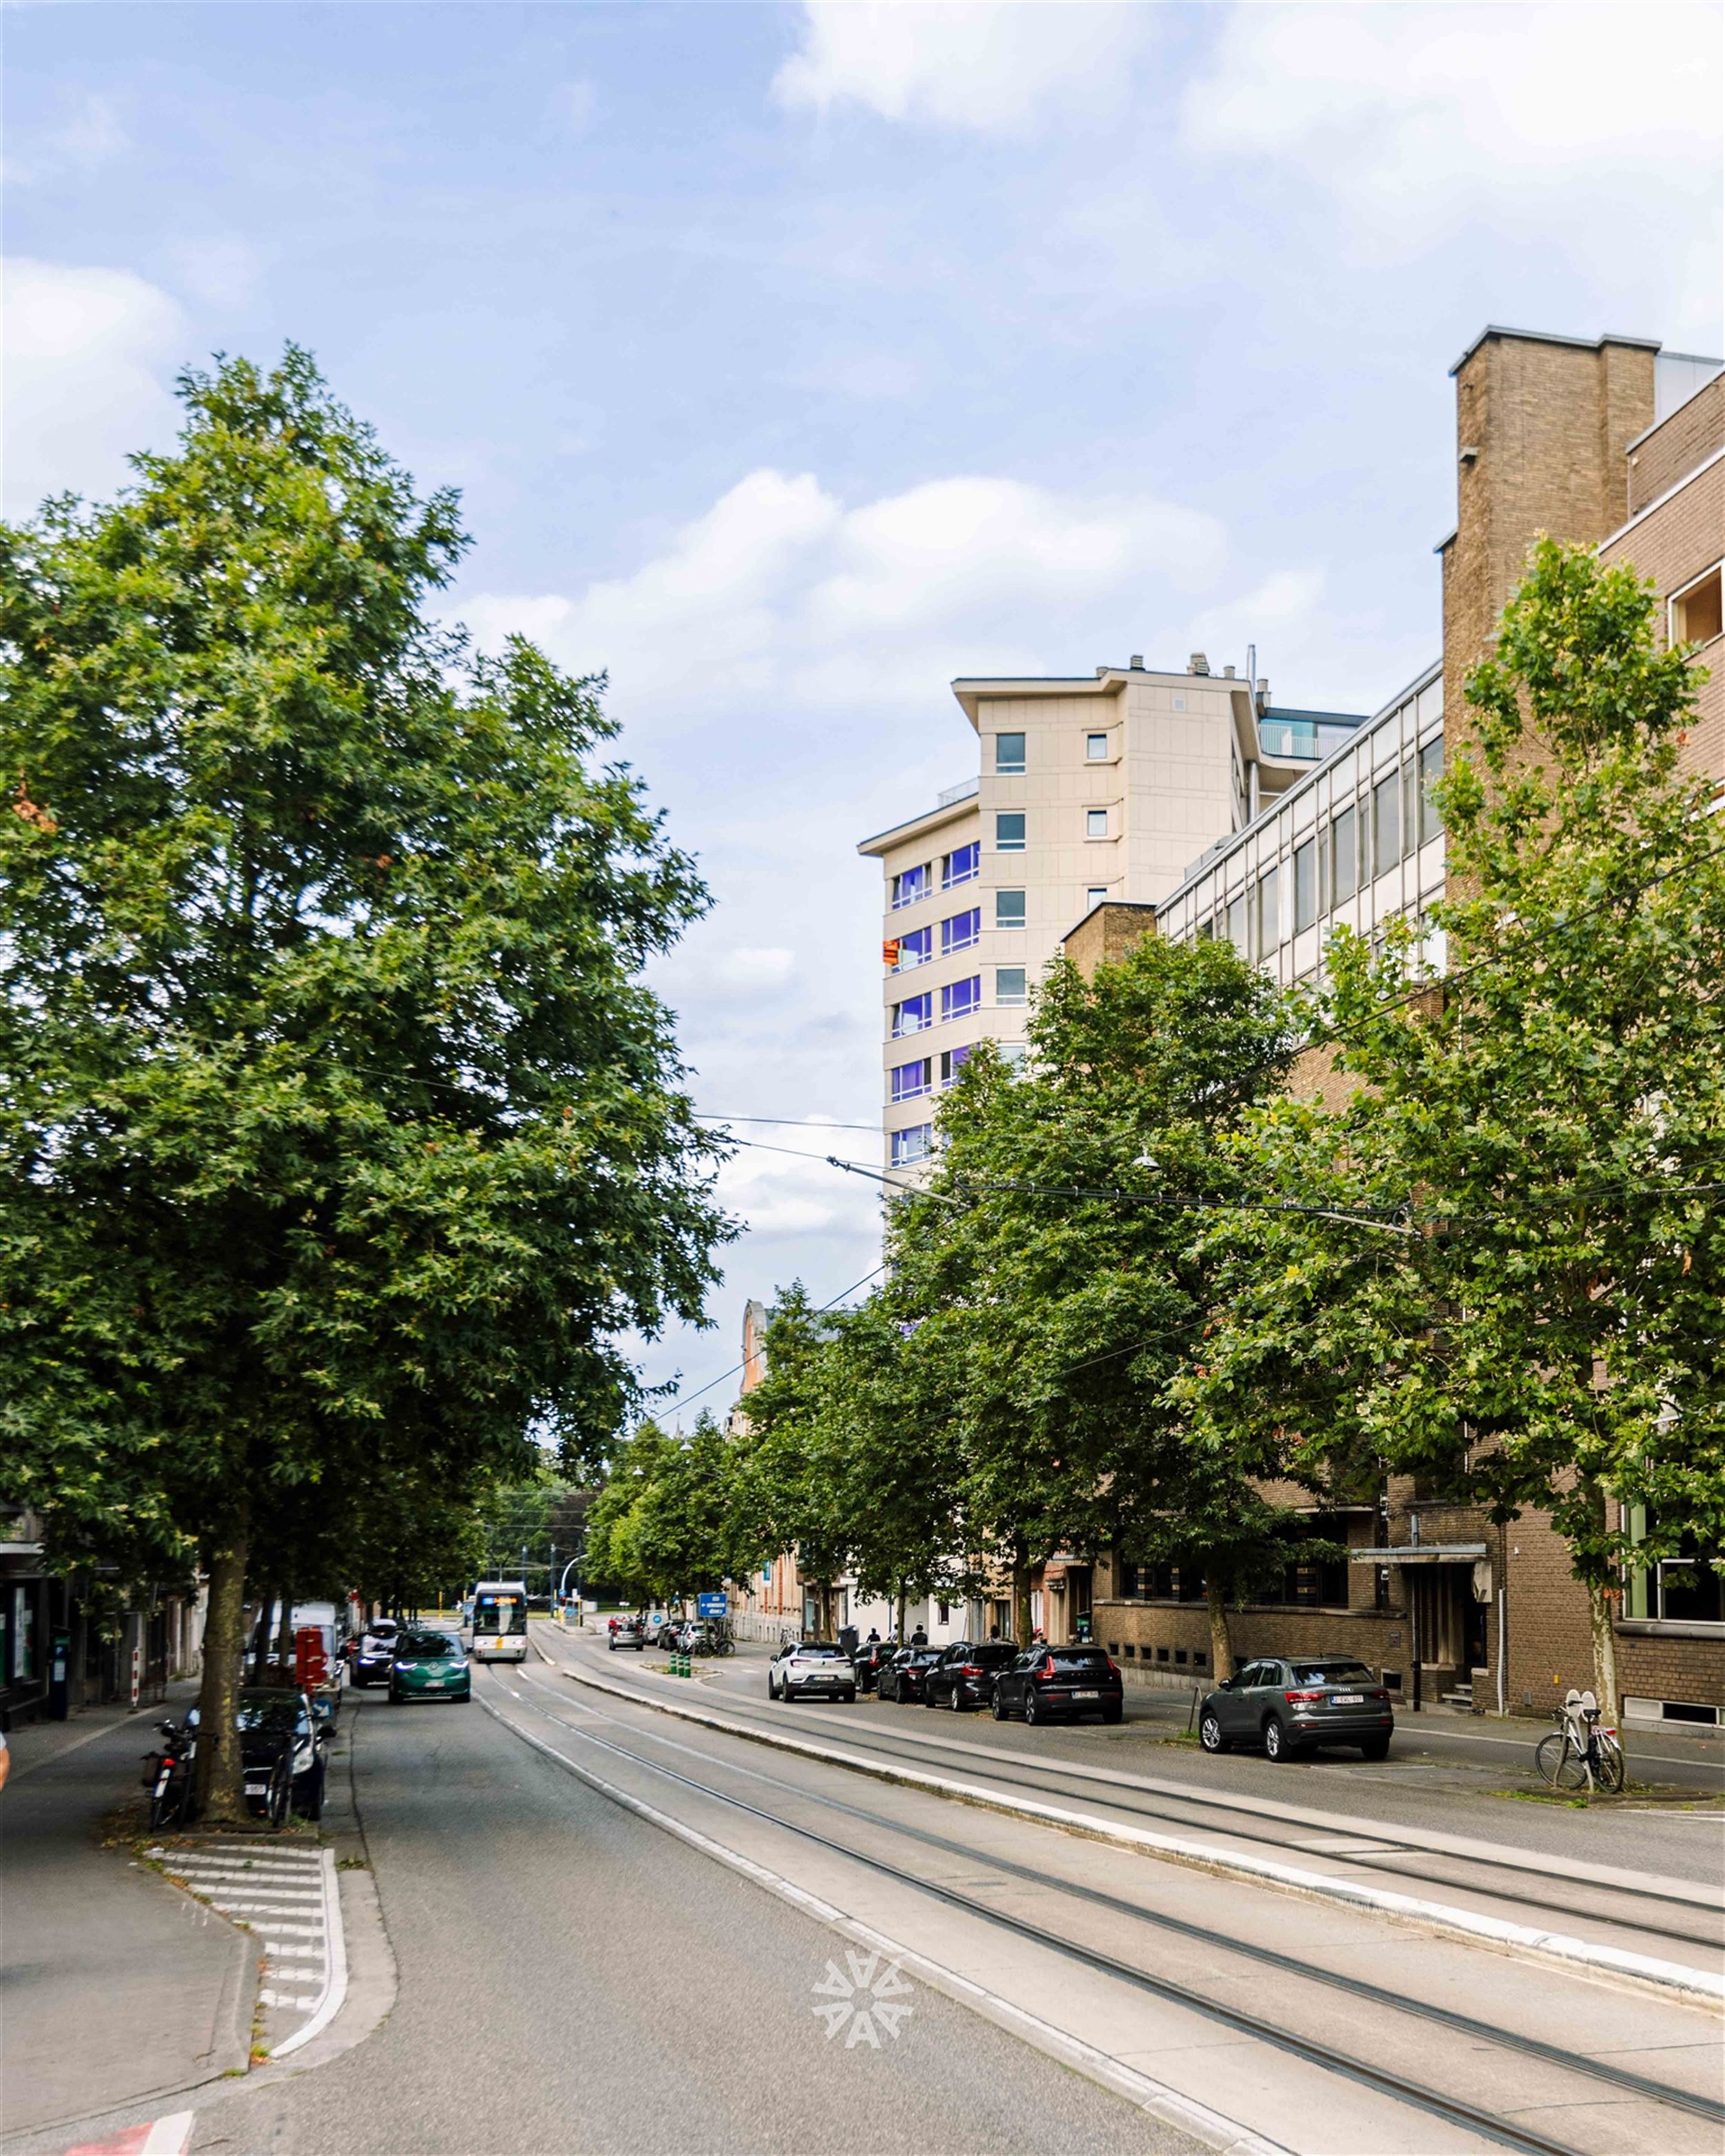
(335, 1990)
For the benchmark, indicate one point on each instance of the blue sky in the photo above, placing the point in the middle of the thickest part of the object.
(794, 360)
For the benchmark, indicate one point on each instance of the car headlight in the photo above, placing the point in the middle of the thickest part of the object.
(303, 1755)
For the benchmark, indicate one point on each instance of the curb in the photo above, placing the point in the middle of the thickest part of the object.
(1695, 1987)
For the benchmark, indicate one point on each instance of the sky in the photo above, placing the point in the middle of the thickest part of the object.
(794, 360)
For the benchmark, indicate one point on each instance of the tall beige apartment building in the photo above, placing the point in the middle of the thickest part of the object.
(1090, 791)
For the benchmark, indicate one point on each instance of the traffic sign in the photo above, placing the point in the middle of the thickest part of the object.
(711, 1605)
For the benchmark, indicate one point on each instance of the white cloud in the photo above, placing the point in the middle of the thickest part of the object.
(992, 68)
(1409, 113)
(781, 592)
(89, 136)
(87, 355)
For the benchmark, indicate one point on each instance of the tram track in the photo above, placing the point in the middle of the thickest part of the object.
(1631, 1907)
(1386, 2081)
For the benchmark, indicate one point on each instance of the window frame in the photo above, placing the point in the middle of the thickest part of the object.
(1011, 1002)
(1003, 844)
(1090, 832)
(1009, 770)
(899, 900)
(1680, 597)
(949, 879)
(1011, 927)
(900, 1031)
(896, 1093)
(951, 1009)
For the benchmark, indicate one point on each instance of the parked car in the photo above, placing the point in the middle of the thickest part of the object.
(965, 1673)
(1291, 1707)
(871, 1659)
(699, 1636)
(627, 1632)
(811, 1669)
(907, 1672)
(284, 1751)
(660, 1625)
(373, 1652)
(427, 1665)
(1048, 1682)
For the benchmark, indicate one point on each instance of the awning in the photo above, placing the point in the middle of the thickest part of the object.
(1421, 1553)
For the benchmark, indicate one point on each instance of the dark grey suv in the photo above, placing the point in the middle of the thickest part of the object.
(1289, 1707)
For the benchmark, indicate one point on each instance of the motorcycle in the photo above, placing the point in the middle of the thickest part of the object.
(167, 1776)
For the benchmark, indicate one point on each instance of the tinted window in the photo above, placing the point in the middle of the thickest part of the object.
(1079, 1658)
(995, 1656)
(424, 1647)
(1332, 1673)
(280, 1716)
(817, 1650)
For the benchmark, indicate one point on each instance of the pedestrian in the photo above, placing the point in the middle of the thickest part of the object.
(993, 1631)
(919, 1638)
(874, 1635)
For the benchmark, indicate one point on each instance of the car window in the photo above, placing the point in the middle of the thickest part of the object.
(995, 1656)
(1252, 1675)
(1079, 1658)
(424, 1647)
(1332, 1673)
(279, 1716)
(820, 1651)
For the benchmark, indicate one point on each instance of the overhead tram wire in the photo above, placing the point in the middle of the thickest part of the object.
(682, 1399)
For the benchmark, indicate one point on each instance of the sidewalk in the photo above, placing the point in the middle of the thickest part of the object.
(114, 1986)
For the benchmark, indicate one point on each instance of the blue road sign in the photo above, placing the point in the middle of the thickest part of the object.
(711, 1605)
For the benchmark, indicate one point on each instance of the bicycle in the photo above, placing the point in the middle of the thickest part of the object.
(1579, 1754)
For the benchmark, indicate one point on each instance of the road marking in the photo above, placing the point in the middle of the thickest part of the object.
(269, 1894)
(159, 2137)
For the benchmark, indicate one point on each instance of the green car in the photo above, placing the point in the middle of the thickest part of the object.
(428, 1666)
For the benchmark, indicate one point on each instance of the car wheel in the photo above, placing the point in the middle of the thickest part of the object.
(928, 1697)
(1115, 1713)
(312, 1807)
(1374, 1747)
(397, 1698)
(1278, 1746)
(1210, 1735)
(1033, 1712)
(996, 1707)
(956, 1702)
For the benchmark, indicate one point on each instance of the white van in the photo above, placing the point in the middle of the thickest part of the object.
(499, 1620)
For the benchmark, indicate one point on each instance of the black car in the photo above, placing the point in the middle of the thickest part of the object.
(1291, 1705)
(906, 1675)
(871, 1659)
(964, 1675)
(1051, 1681)
(373, 1652)
(284, 1753)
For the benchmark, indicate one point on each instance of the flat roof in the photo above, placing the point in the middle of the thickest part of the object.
(1552, 336)
(929, 820)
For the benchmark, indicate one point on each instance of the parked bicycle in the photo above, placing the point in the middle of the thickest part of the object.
(1579, 1754)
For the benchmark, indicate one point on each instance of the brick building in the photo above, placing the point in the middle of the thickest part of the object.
(1612, 443)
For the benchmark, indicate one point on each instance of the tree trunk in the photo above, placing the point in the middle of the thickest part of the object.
(1600, 1601)
(902, 1598)
(1221, 1648)
(220, 1797)
(1021, 1592)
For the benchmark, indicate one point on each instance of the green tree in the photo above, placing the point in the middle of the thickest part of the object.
(1058, 1265)
(332, 1109)
(668, 1522)
(1550, 1336)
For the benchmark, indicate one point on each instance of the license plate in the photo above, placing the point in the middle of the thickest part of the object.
(1347, 1699)
(257, 1789)
(1086, 1695)
(434, 1684)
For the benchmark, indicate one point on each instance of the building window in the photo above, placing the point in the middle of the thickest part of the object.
(1095, 823)
(1009, 985)
(1012, 1053)
(1009, 909)
(1681, 1589)
(1179, 703)
(1695, 610)
(912, 1144)
(1269, 927)
(959, 999)
(960, 931)
(1387, 822)
(915, 949)
(1097, 895)
(962, 864)
(1009, 752)
(1304, 885)
(1431, 769)
(1236, 918)
(1096, 748)
(1009, 832)
(909, 886)
(1344, 856)
(911, 1079)
(952, 1061)
(912, 1015)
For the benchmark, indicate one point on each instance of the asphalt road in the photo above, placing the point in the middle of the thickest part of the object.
(573, 1978)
